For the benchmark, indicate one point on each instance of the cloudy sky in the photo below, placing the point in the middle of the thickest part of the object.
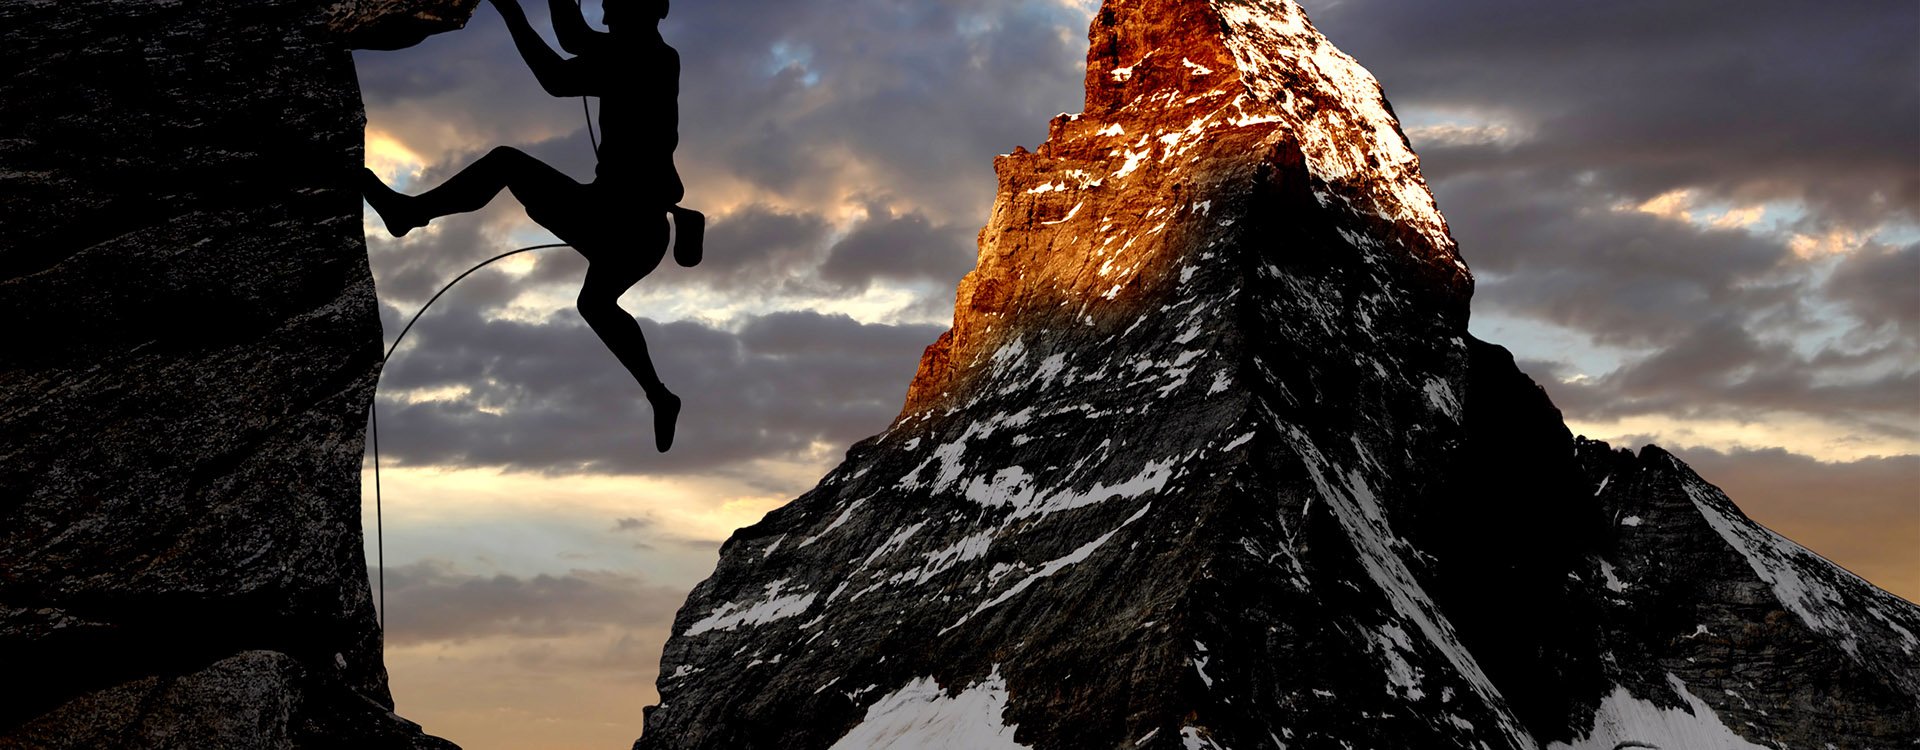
(1694, 223)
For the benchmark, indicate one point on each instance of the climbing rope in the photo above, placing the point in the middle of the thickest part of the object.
(591, 138)
(373, 416)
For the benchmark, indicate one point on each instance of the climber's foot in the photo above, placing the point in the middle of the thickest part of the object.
(391, 206)
(666, 411)
(690, 228)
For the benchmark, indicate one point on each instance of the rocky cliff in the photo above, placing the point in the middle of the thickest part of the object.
(192, 342)
(1209, 460)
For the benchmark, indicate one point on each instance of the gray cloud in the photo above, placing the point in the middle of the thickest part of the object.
(874, 95)
(1553, 119)
(760, 247)
(912, 99)
(1767, 100)
(1731, 323)
(1881, 286)
(899, 247)
(1544, 250)
(433, 601)
(411, 270)
(548, 396)
(1718, 369)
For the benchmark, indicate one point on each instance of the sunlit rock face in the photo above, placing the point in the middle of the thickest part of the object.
(1208, 460)
(393, 24)
(191, 346)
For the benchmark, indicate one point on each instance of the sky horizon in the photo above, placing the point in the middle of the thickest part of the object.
(1694, 227)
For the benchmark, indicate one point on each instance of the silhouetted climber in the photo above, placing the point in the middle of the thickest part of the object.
(618, 221)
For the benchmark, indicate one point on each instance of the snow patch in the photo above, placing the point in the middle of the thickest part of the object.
(921, 716)
(842, 518)
(1009, 486)
(1221, 381)
(1133, 162)
(1624, 721)
(1049, 568)
(774, 607)
(898, 540)
(1070, 212)
(1614, 584)
(1356, 140)
(1784, 565)
(1192, 738)
(1152, 478)
(1402, 677)
(1440, 397)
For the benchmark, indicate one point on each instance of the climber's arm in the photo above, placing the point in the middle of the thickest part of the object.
(559, 77)
(571, 28)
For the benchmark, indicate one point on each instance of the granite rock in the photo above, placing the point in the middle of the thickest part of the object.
(192, 344)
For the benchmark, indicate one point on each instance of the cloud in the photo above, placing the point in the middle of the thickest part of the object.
(762, 247)
(547, 396)
(434, 601)
(1697, 189)
(1746, 101)
(1881, 287)
(899, 247)
(820, 106)
(781, 103)
(1713, 322)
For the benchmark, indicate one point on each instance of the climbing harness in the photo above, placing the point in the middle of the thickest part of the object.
(373, 417)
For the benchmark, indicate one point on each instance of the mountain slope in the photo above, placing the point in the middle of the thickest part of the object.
(1208, 459)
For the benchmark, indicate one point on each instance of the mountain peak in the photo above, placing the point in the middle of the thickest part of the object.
(1265, 61)
(1194, 109)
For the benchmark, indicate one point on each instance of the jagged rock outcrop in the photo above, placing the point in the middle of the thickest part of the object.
(1209, 460)
(192, 344)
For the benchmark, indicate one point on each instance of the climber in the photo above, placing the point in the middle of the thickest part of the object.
(617, 221)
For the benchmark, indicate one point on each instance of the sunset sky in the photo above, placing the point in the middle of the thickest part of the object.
(1695, 224)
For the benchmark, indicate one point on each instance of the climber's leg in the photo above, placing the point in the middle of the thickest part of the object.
(531, 180)
(599, 303)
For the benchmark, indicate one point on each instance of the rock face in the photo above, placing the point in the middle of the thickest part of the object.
(192, 344)
(1209, 460)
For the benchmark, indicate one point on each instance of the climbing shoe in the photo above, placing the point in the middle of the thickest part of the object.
(666, 411)
(392, 207)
